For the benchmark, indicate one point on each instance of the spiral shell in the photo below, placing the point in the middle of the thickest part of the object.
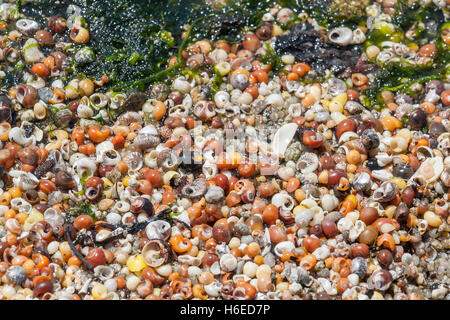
(195, 188)
(158, 229)
(342, 36)
(155, 253)
(386, 192)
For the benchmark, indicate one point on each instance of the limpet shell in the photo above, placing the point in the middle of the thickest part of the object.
(429, 170)
(283, 137)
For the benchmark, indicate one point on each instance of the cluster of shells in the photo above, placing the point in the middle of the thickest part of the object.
(338, 202)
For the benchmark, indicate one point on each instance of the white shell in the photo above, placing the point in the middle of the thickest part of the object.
(283, 200)
(31, 51)
(282, 247)
(24, 180)
(18, 135)
(228, 262)
(383, 175)
(158, 230)
(436, 163)
(213, 289)
(341, 36)
(85, 165)
(190, 260)
(283, 137)
(308, 162)
(304, 217)
(104, 272)
(347, 136)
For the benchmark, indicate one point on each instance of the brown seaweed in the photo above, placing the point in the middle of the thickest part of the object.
(308, 45)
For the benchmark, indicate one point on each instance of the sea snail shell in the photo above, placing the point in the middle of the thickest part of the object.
(341, 36)
(155, 253)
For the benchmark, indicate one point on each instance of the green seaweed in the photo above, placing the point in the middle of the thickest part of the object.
(271, 58)
(399, 76)
(81, 208)
(134, 39)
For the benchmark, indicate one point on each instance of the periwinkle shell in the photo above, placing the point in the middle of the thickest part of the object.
(194, 189)
(16, 274)
(358, 266)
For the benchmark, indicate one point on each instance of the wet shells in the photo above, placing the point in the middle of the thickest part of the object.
(45, 167)
(129, 117)
(194, 189)
(423, 152)
(214, 194)
(445, 177)
(380, 280)
(370, 139)
(403, 170)
(54, 218)
(27, 26)
(94, 188)
(99, 100)
(108, 156)
(64, 180)
(85, 165)
(386, 192)
(341, 36)
(283, 137)
(204, 110)
(358, 36)
(159, 230)
(31, 52)
(239, 81)
(348, 136)
(382, 175)
(336, 87)
(134, 160)
(383, 159)
(155, 253)
(304, 217)
(27, 95)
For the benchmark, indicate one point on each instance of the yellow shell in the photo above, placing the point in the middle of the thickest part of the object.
(342, 98)
(298, 208)
(399, 182)
(99, 292)
(136, 263)
(35, 216)
(336, 106)
(125, 181)
(352, 198)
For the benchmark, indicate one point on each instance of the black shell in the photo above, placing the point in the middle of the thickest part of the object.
(370, 139)
(403, 170)
(417, 119)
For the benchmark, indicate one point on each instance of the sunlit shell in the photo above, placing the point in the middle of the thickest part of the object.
(283, 137)
(308, 162)
(429, 170)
